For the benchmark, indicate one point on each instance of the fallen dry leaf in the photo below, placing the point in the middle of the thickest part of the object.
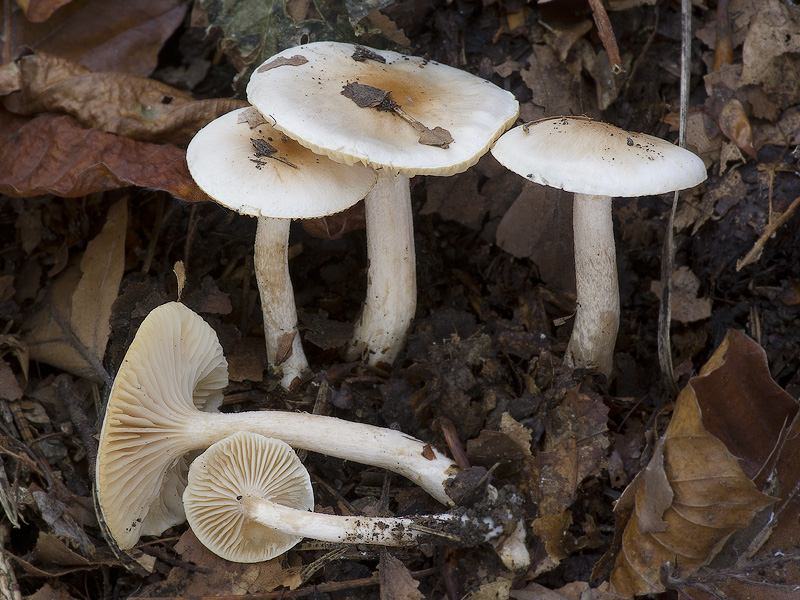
(697, 491)
(71, 331)
(53, 154)
(769, 52)
(686, 306)
(9, 386)
(219, 577)
(128, 105)
(396, 580)
(102, 35)
(37, 11)
(733, 122)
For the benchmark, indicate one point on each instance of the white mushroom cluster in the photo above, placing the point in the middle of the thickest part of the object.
(372, 120)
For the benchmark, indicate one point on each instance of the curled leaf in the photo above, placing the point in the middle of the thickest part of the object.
(53, 154)
(735, 125)
(128, 105)
(700, 488)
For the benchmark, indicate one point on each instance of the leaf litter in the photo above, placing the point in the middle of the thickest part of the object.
(484, 352)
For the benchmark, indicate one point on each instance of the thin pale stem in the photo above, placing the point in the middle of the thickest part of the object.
(391, 280)
(271, 261)
(597, 313)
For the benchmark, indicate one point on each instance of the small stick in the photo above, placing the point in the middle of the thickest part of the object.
(606, 34)
(454, 443)
(771, 228)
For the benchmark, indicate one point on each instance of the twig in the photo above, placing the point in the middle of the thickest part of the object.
(606, 34)
(172, 561)
(668, 251)
(453, 442)
(755, 252)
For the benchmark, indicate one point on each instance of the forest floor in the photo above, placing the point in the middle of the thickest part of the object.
(100, 208)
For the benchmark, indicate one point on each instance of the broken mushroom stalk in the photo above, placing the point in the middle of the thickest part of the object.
(596, 161)
(246, 165)
(401, 115)
(248, 499)
(173, 371)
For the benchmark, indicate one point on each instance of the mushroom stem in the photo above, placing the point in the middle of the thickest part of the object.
(391, 299)
(384, 531)
(358, 442)
(277, 299)
(597, 312)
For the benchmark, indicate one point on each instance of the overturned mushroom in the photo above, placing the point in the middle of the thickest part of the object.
(248, 499)
(401, 115)
(244, 164)
(173, 368)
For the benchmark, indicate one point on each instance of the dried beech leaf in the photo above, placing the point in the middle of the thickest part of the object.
(735, 125)
(713, 497)
(128, 105)
(53, 154)
(37, 11)
(103, 35)
(71, 330)
(396, 580)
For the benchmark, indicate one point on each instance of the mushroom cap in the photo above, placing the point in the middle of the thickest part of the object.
(244, 464)
(301, 89)
(583, 156)
(173, 366)
(224, 162)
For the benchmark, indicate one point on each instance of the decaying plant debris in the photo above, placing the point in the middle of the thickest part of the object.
(100, 207)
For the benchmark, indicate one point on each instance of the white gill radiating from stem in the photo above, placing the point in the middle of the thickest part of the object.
(271, 263)
(594, 333)
(391, 298)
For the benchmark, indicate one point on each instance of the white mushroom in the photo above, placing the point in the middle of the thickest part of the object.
(246, 165)
(248, 499)
(402, 115)
(596, 161)
(174, 367)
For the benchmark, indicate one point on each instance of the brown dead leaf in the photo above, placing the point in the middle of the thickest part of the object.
(102, 35)
(336, 225)
(388, 28)
(71, 330)
(686, 306)
(574, 447)
(733, 122)
(396, 580)
(282, 61)
(37, 11)
(556, 88)
(53, 154)
(221, 577)
(128, 105)
(48, 592)
(769, 52)
(577, 590)
(714, 494)
(553, 530)
(9, 386)
(539, 226)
